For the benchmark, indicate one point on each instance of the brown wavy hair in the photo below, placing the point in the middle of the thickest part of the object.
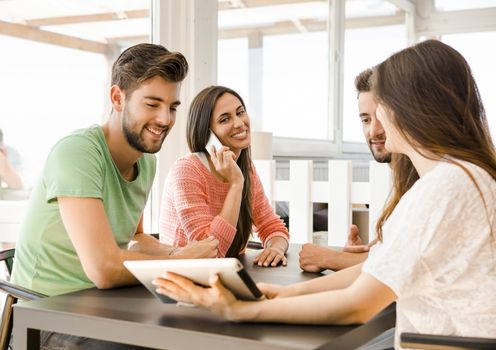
(146, 61)
(198, 133)
(435, 104)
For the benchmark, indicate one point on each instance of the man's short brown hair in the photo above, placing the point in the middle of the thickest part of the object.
(362, 81)
(145, 61)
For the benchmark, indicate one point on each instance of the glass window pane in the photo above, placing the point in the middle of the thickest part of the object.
(364, 48)
(279, 54)
(47, 97)
(232, 66)
(481, 58)
(55, 70)
(296, 85)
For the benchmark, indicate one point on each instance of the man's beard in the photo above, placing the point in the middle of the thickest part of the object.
(381, 157)
(134, 138)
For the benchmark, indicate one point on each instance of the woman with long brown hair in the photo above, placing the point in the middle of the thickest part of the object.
(218, 193)
(436, 255)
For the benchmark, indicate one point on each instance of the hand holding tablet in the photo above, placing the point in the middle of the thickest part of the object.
(230, 271)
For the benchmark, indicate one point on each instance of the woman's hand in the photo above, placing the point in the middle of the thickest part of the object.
(272, 291)
(225, 164)
(216, 298)
(274, 253)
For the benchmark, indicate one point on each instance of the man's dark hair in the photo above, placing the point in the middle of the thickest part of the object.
(362, 81)
(145, 61)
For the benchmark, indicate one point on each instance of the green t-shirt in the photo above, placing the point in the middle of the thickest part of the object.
(79, 165)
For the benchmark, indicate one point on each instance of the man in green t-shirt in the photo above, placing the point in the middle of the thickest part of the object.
(88, 205)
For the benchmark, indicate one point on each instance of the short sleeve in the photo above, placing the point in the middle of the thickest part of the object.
(74, 168)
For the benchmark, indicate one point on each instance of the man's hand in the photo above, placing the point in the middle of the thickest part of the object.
(313, 257)
(206, 248)
(354, 244)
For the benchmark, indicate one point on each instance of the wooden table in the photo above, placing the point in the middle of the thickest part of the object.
(132, 315)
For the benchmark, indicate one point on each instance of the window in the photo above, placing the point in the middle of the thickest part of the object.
(55, 67)
(295, 85)
(366, 45)
(481, 59)
(279, 56)
(290, 42)
(232, 63)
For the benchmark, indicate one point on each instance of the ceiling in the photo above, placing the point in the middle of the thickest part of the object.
(101, 25)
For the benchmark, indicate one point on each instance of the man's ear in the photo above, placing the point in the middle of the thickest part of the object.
(117, 97)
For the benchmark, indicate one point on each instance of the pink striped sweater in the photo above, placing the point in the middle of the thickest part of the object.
(192, 199)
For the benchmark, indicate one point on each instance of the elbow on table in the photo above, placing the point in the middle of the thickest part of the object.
(102, 277)
(103, 284)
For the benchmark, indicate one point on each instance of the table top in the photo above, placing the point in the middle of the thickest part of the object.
(134, 315)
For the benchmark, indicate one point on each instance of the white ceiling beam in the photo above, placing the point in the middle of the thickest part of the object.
(452, 22)
(96, 17)
(30, 33)
(228, 5)
(405, 5)
(299, 25)
(288, 27)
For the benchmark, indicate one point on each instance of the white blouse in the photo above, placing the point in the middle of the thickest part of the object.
(439, 254)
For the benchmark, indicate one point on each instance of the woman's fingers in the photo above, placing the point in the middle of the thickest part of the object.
(171, 289)
(270, 257)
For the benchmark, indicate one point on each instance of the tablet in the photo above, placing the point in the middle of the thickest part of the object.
(230, 270)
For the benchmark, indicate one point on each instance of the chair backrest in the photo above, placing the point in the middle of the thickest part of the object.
(13, 292)
(431, 341)
(7, 256)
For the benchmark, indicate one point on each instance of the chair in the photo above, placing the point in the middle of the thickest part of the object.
(13, 293)
(430, 341)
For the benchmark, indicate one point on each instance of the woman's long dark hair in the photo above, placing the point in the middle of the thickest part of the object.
(434, 100)
(198, 133)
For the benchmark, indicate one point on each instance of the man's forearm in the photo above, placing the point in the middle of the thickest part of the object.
(144, 243)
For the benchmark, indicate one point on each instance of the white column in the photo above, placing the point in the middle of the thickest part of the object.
(339, 212)
(380, 188)
(190, 27)
(336, 69)
(300, 206)
(255, 80)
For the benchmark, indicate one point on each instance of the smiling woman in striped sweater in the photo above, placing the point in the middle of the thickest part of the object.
(220, 194)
